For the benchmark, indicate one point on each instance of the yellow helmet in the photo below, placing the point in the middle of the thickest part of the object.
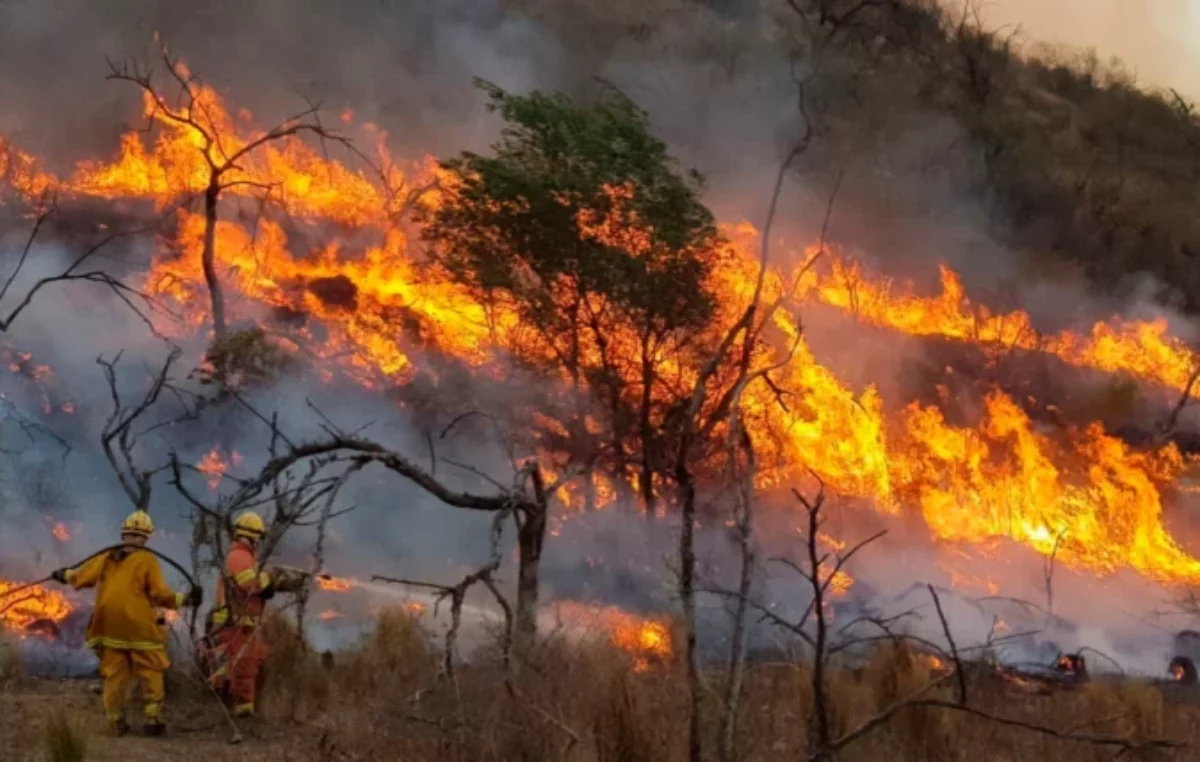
(138, 522)
(249, 524)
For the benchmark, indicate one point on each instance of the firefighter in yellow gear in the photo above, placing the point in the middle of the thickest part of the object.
(124, 630)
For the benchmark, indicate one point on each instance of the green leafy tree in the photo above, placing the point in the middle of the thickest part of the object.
(582, 223)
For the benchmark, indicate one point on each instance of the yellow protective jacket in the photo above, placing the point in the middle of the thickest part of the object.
(129, 586)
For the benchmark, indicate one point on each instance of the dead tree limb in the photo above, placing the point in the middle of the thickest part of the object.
(1048, 570)
(1167, 428)
(191, 113)
(1125, 744)
(739, 440)
(822, 738)
(958, 665)
(119, 438)
(456, 595)
(74, 272)
(318, 561)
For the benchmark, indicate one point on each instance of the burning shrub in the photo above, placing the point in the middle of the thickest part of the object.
(243, 358)
(895, 671)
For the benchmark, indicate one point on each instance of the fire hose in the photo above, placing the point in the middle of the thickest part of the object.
(237, 735)
(102, 551)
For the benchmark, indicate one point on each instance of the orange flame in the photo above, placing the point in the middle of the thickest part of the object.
(334, 584)
(215, 465)
(21, 609)
(646, 640)
(1142, 349)
(1083, 494)
(328, 614)
(60, 532)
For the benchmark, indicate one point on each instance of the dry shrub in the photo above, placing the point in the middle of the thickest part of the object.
(10, 662)
(892, 672)
(1122, 708)
(396, 652)
(633, 714)
(293, 681)
(63, 742)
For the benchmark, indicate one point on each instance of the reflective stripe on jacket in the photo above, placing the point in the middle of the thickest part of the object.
(238, 597)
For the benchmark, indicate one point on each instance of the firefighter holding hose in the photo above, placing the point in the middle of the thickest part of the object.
(234, 624)
(123, 630)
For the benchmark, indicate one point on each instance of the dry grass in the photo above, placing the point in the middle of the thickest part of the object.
(10, 663)
(382, 700)
(585, 702)
(63, 742)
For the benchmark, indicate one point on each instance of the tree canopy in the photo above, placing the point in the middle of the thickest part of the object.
(581, 222)
(520, 220)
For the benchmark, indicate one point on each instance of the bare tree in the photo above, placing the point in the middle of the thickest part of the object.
(189, 111)
(327, 463)
(120, 435)
(819, 572)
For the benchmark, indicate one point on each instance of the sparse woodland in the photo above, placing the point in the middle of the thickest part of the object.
(580, 229)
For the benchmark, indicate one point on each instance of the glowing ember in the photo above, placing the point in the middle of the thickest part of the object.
(215, 465)
(334, 584)
(21, 609)
(60, 532)
(328, 614)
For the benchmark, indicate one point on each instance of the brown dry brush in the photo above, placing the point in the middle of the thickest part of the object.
(585, 701)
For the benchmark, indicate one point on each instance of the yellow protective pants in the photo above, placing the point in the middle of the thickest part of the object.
(119, 666)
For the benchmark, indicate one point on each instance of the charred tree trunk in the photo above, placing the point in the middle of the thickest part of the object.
(820, 734)
(737, 646)
(208, 257)
(646, 432)
(531, 535)
(687, 594)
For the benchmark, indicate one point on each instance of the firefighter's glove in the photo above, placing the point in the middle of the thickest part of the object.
(195, 597)
(267, 592)
(59, 576)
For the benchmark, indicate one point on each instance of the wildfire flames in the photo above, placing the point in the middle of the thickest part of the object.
(215, 465)
(22, 609)
(365, 307)
(647, 641)
(334, 584)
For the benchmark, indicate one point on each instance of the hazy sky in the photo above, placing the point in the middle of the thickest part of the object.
(1158, 39)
